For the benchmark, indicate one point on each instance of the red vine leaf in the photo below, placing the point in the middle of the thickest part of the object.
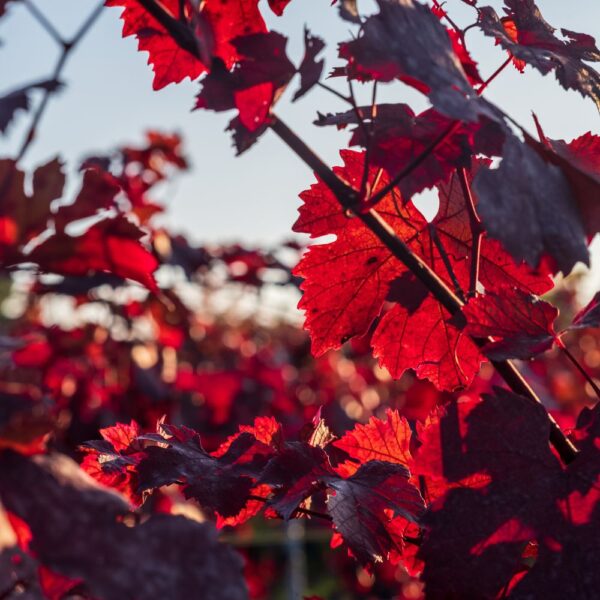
(170, 62)
(579, 163)
(387, 440)
(527, 205)
(532, 40)
(405, 40)
(79, 543)
(521, 325)
(221, 484)
(112, 461)
(112, 245)
(589, 315)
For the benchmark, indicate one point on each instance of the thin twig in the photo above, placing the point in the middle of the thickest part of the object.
(67, 48)
(304, 511)
(333, 91)
(452, 24)
(87, 24)
(364, 184)
(418, 160)
(41, 109)
(446, 260)
(43, 21)
(493, 76)
(476, 230)
(414, 163)
(579, 367)
(367, 135)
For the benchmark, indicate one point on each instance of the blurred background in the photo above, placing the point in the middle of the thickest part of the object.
(223, 343)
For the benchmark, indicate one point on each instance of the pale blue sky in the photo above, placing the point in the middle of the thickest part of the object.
(109, 99)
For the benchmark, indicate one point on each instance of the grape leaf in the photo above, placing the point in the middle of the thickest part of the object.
(359, 504)
(112, 245)
(589, 315)
(170, 62)
(579, 163)
(20, 99)
(112, 460)
(24, 215)
(480, 531)
(310, 69)
(221, 484)
(90, 542)
(388, 440)
(344, 305)
(211, 29)
(428, 342)
(527, 205)
(420, 334)
(253, 86)
(405, 40)
(25, 423)
(98, 191)
(533, 41)
(520, 324)
(398, 136)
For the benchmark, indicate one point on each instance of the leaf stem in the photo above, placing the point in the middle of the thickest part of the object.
(493, 76)
(367, 133)
(446, 260)
(304, 511)
(447, 132)
(579, 367)
(476, 230)
(414, 163)
(333, 91)
(451, 22)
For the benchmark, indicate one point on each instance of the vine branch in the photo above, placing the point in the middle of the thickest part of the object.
(67, 48)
